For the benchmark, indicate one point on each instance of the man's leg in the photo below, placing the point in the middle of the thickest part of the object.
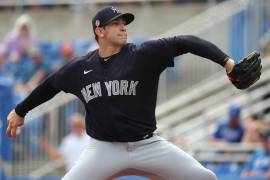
(99, 161)
(167, 160)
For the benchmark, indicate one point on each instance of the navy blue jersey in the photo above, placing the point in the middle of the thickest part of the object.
(120, 92)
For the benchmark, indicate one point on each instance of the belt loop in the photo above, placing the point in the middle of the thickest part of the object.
(147, 136)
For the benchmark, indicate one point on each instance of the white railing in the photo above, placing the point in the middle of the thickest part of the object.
(228, 152)
(216, 20)
(208, 19)
(49, 121)
(59, 100)
(194, 120)
(200, 96)
(215, 25)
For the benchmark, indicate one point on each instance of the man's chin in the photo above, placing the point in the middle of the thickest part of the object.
(122, 42)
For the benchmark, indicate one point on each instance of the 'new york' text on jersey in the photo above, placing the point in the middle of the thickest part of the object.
(119, 94)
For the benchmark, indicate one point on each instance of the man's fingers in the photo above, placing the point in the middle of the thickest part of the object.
(18, 131)
(8, 132)
(14, 123)
(11, 124)
(11, 131)
(14, 132)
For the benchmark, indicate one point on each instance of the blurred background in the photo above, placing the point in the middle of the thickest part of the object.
(227, 130)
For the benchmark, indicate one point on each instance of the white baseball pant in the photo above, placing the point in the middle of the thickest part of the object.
(100, 160)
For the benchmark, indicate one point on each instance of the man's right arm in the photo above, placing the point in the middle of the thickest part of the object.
(41, 94)
(44, 92)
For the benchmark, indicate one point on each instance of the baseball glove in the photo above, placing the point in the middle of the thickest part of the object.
(246, 72)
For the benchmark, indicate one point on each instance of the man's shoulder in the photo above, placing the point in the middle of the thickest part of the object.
(88, 56)
(146, 45)
(80, 60)
(129, 47)
(138, 46)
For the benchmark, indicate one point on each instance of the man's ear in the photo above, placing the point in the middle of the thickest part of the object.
(99, 32)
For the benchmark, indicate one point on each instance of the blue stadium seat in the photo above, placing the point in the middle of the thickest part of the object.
(237, 177)
(81, 46)
(224, 168)
(2, 175)
(253, 178)
(45, 47)
(211, 166)
(50, 50)
(6, 104)
(228, 177)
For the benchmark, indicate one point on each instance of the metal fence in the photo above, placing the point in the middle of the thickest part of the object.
(237, 27)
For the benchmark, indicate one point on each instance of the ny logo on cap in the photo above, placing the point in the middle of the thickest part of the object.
(115, 10)
(97, 23)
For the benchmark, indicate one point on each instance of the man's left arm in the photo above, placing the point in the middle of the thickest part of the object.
(242, 74)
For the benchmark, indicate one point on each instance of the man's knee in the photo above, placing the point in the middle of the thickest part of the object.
(208, 175)
(201, 173)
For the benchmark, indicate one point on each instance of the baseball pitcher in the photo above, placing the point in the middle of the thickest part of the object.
(118, 84)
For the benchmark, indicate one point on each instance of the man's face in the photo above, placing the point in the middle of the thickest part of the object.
(115, 32)
(234, 122)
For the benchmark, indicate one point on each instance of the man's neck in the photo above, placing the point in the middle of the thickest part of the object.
(106, 51)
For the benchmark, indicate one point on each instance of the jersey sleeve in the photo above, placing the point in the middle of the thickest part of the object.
(162, 51)
(63, 78)
(59, 81)
(157, 53)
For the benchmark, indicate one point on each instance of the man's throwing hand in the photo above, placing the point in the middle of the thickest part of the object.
(246, 72)
(14, 122)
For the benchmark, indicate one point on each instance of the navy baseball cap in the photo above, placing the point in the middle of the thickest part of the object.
(109, 14)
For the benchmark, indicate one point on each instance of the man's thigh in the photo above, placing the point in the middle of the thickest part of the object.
(99, 161)
(169, 161)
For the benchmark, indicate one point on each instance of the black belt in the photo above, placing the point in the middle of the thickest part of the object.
(147, 136)
(125, 139)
